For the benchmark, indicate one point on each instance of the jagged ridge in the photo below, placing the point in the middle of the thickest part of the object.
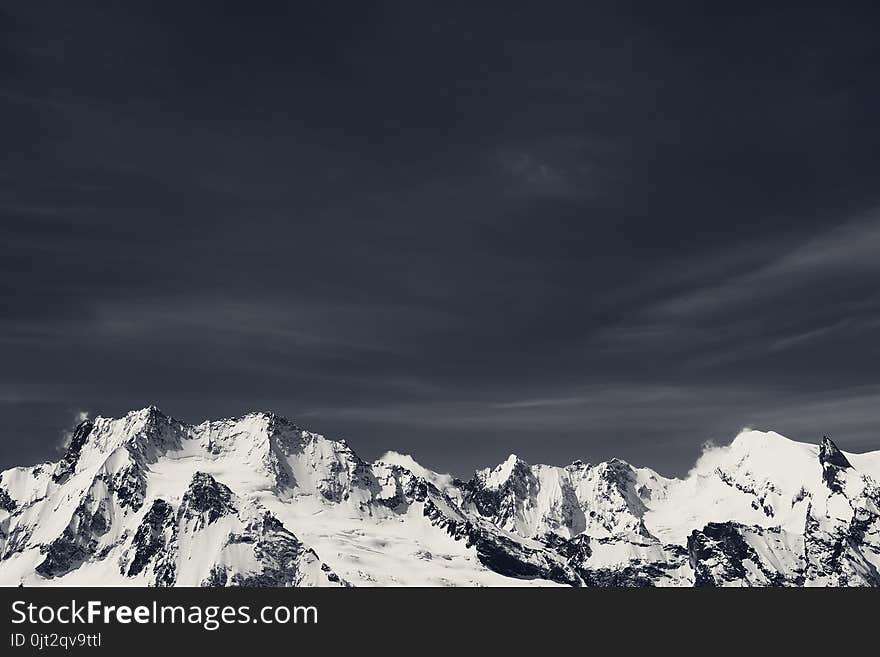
(254, 501)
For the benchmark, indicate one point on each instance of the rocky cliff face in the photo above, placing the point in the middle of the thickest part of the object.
(257, 501)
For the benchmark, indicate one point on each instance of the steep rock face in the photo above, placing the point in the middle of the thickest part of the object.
(205, 501)
(397, 488)
(117, 490)
(79, 540)
(216, 539)
(68, 463)
(325, 467)
(253, 501)
(761, 479)
(837, 545)
(506, 495)
(443, 482)
(601, 500)
(101, 479)
(151, 537)
(730, 554)
(614, 496)
(842, 529)
(634, 559)
(502, 552)
(250, 443)
(834, 465)
(283, 559)
(294, 461)
(6, 502)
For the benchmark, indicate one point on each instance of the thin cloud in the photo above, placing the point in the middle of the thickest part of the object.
(67, 435)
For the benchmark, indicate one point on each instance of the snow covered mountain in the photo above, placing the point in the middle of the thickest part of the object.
(257, 501)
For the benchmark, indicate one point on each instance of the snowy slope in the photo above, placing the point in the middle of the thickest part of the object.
(257, 501)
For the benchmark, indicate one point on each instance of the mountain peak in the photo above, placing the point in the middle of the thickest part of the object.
(755, 438)
(830, 454)
(510, 462)
(615, 463)
(512, 466)
(266, 415)
(207, 497)
(151, 411)
(833, 463)
(407, 462)
(147, 499)
(269, 421)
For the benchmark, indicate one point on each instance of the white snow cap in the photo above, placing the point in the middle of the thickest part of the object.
(441, 481)
(119, 508)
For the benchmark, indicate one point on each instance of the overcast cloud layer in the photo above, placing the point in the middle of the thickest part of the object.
(454, 232)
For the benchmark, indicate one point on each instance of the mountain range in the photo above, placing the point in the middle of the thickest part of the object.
(147, 500)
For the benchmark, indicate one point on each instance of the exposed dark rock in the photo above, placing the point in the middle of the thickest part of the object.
(63, 555)
(486, 501)
(760, 501)
(500, 504)
(637, 573)
(331, 576)
(150, 536)
(576, 550)
(206, 497)
(626, 577)
(278, 550)
(843, 553)
(832, 461)
(129, 484)
(408, 489)
(342, 469)
(79, 540)
(496, 550)
(280, 553)
(67, 464)
(620, 475)
(718, 553)
(166, 572)
(6, 502)
(601, 506)
(217, 578)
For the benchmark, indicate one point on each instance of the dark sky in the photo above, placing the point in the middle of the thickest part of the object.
(458, 232)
